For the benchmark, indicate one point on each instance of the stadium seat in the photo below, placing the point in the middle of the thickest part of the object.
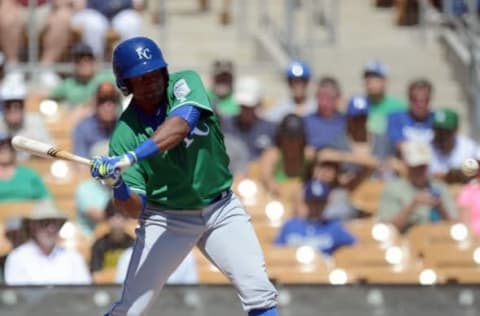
(266, 233)
(371, 256)
(366, 197)
(452, 255)
(422, 236)
(15, 209)
(370, 231)
(283, 266)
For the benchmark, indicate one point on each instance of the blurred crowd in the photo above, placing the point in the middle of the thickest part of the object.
(314, 151)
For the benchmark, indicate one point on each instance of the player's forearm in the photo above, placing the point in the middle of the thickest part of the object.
(171, 133)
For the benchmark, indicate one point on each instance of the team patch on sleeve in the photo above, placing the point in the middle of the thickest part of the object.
(181, 90)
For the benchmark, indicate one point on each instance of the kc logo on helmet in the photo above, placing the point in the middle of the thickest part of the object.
(143, 53)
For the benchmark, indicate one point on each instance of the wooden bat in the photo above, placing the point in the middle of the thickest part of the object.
(41, 149)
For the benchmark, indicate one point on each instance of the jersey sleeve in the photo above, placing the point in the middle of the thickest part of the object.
(122, 141)
(188, 88)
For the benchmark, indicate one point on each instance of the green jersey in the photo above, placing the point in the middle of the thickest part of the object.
(25, 184)
(378, 113)
(193, 173)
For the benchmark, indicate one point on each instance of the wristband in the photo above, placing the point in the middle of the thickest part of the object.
(146, 149)
(121, 191)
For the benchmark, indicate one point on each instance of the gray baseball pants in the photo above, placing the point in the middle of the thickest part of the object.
(223, 233)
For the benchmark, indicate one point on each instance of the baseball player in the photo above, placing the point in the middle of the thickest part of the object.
(169, 168)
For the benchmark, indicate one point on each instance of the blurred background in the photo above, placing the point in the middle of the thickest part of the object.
(346, 121)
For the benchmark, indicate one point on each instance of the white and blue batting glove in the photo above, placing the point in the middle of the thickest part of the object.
(110, 168)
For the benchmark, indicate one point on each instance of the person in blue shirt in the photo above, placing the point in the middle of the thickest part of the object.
(326, 127)
(324, 235)
(99, 126)
(415, 123)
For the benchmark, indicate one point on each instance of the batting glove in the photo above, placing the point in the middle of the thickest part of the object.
(110, 167)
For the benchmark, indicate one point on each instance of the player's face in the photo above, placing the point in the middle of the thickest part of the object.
(149, 89)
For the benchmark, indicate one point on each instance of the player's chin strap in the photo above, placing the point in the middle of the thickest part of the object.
(263, 312)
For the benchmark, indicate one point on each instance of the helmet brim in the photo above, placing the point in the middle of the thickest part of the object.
(144, 67)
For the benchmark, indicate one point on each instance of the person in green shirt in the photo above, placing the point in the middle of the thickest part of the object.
(81, 87)
(221, 94)
(169, 168)
(18, 183)
(380, 103)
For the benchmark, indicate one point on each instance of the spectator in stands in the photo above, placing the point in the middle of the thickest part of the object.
(359, 140)
(326, 127)
(15, 121)
(416, 198)
(81, 87)
(369, 147)
(186, 272)
(286, 160)
(381, 104)
(98, 16)
(16, 234)
(18, 183)
(298, 76)
(52, 20)
(107, 249)
(314, 230)
(329, 167)
(41, 260)
(221, 94)
(91, 197)
(468, 202)
(256, 133)
(415, 123)
(99, 126)
(450, 149)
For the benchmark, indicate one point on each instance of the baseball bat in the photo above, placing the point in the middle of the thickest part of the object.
(41, 149)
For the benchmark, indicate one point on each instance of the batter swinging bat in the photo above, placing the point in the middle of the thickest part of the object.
(40, 149)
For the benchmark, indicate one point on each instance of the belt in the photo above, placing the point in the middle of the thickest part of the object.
(221, 196)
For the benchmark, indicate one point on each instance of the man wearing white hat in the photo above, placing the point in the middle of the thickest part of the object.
(416, 198)
(256, 133)
(41, 260)
(14, 120)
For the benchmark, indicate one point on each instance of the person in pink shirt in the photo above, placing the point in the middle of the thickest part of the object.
(469, 203)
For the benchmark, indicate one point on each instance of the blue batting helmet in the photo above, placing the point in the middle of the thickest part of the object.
(135, 57)
(298, 70)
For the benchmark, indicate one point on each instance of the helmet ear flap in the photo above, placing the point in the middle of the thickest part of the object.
(123, 87)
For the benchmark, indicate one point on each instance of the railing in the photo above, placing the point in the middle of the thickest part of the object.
(303, 26)
(460, 30)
